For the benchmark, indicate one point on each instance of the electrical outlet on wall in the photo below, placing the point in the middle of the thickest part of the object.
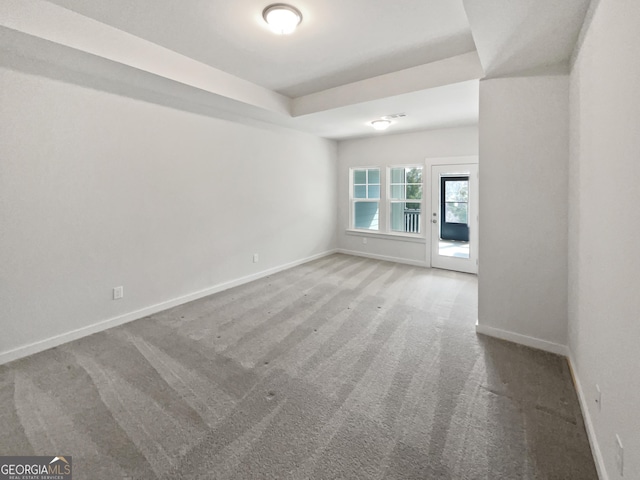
(255, 258)
(364, 240)
(118, 293)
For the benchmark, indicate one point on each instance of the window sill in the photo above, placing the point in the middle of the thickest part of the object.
(402, 237)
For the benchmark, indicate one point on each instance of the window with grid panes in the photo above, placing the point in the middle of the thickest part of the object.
(405, 199)
(365, 198)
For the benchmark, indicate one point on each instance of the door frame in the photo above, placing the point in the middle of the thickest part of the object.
(429, 207)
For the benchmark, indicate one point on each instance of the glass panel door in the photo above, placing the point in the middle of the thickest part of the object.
(454, 231)
(454, 215)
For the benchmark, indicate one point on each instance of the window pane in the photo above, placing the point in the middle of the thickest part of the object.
(414, 192)
(456, 212)
(360, 176)
(374, 175)
(397, 217)
(457, 191)
(414, 175)
(397, 192)
(374, 191)
(360, 191)
(397, 175)
(405, 217)
(366, 215)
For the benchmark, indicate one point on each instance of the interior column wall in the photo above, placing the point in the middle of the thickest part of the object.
(524, 150)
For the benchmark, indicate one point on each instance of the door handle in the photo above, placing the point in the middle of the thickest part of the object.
(434, 221)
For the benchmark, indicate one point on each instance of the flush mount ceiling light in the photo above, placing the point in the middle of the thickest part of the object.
(381, 124)
(282, 18)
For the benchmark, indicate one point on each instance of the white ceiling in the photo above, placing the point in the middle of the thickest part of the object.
(337, 42)
(440, 107)
(517, 36)
(349, 62)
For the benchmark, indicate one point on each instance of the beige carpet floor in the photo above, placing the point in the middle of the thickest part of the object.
(341, 368)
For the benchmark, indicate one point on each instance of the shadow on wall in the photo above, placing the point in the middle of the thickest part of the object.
(531, 403)
(78, 68)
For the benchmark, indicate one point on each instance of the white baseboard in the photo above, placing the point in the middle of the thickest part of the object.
(41, 345)
(591, 433)
(532, 342)
(406, 261)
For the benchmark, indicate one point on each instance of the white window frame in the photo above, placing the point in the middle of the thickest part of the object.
(384, 205)
(353, 199)
(389, 201)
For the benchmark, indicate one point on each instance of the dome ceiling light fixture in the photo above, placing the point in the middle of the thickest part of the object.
(381, 124)
(282, 18)
(384, 122)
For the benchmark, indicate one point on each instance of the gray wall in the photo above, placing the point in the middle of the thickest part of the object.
(99, 190)
(604, 268)
(524, 151)
(398, 149)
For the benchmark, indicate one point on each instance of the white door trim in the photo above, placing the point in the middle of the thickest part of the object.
(428, 195)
